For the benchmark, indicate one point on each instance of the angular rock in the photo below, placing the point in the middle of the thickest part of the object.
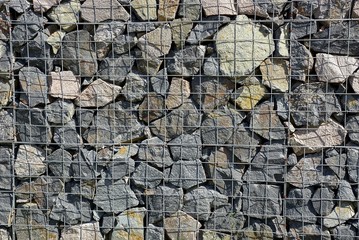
(251, 44)
(227, 181)
(84, 118)
(266, 123)
(345, 192)
(5, 235)
(331, 12)
(282, 36)
(328, 134)
(6, 61)
(154, 233)
(181, 27)
(60, 112)
(6, 166)
(339, 215)
(19, 6)
(206, 29)
(334, 69)
(114, 69)
(337, 164)
(6, 209)
(225, 220)
(299, 206)
(130, 224)
(184, 119)
(167, 9)
(261, 200)
(352, 163)
(178, 93)
(257, 231)
(67, 136)
(247, 96)
(249, 7)
(275, 74)
(140, 27)
(83, 166)
(64, 85)
(302, 26)
(66, 14)
(187, 62)
(306, 230)
(71, 209)
(44, 5)
(225, 7)
(33, 85)
(135, 87)
(211, 67)
(160, 82)
(354, 81)
(190, 9)
(145, 10)
(105, 35)
(152, 107)
(98, 94)
(350, 103)
(5, 92)
(344, 231)
(186, 147)
(352, 126)
(218, 157)
(301, 61)
(155, 152)
(59, 162)
(82, 231)
(178, 221)
(7, 128)
(146, 176)
(95, 11)
(212, 235)
(187, 174)
(77, 53)
(323, 201)
(29, 162)
(124, 43)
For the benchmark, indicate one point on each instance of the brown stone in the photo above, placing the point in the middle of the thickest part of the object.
(152, 107)
(99, 11)
(178, 93)
(167, 9)
(181, 226)
(222, 7)
(180, 29)
(64, 85)
(275, 74)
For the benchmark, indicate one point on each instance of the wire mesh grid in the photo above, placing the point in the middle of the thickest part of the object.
(179, 119)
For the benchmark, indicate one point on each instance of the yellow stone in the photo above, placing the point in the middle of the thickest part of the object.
(167, 9)
(249, 96)
(275, 74)
(54, 40)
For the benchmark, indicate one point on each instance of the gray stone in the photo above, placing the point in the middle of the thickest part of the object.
(218, 156)
(67, 136)
(352, 125)
(152, 107)
(32, 125)
(32, 223)
(139, 27)
(227, 181)
(106, 34)
(323, 201)
(19, 6)
(265, 122)
(59, 162)
(352, 164)
(340, 214)
(211, 67)
(184, 119)
(84, 189)
(155, 152)
(84, 117)
(257, 231)
(29, 162)
(344, 232)
(181, 27)
(82, 231)
(34, 86)
(108, 223)
(345, 192)
(206, 29)
(7, 128)
(160, 82)
(211, 92)
(292, 159)
(354, 81)
(130, 224)
(124, 43)
(261, 200)
(113, 124)
(332, 11)
(145, 11)
(281, 36)
(225, 220)
(77, 53)
(71, 209)
(187, 174)
(186, 147)
(4, 234)
(312, 104)
(120, 168)
(337, 164)
(199, 202)
(302, 26)
(6, 208)
(146, 176)
(135, 87)
(298, 230)
(212, 235)
(5, 92)
(243, 143)
(187, 62)
(114, 69)
(225, 7)
(164, 201)
(299, 207)
(44, 5)
(154, 233)
(178, 93)
(66, 14)
(6, 165)
(95, 11)
(301, 61)
(178, 221)
(83, 166)
(60, 112)
(190, 9)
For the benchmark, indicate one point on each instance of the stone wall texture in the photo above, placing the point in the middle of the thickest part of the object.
(179, 119)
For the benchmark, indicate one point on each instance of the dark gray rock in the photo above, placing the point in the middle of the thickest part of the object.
(71, 209)
(206, 29)
(135, 87)
(155, 152)
(84, 117)
(199, 202)
(256, 231)
(301, 61)
(83, 166)
(19, 6)
(32, 125)
(352, 126)
(5, 208)
(119, 168)
(337, 164)
(108, 223)
(146, 176)
(85, 189)
(124, 43)
(115, 123)
(59, 162)
(186, 147)
(152, 107)
(225, 220)
(105, 35)
(184, 119)
(312, 104)
(187, 62)
(6, 163)
(261, 200)
(243, 143)
(77, 53)
(282, 106)
(211, 67)
(299, 206)
(344, 232)
(7, 128)
(353, 164)
(345, 192)
(114, 197)
(160, 82)
(60, 112)
(164, 201)
(302, 26)
(300, 230)
(227, 181)
(114, 69)
(67, 136)
(138, 27)
(154, 233)
(323, 201)
(33, 84)
(187, 174)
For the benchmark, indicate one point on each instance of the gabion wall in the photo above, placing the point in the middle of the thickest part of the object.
(179, 119)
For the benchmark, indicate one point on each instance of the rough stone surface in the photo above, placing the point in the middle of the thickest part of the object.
(246, 97)
(190, 9)
(54, 40)
(146, 176)
(306, 230)
(275, 74)
(66, 14)
(337, 164)
(299, 205)
(67, 136)
(302, 26)
(322, 201)
(167, 9)
(33, 85)
(130, 224)
(145, 10)
(187, 174)
(114, 69)
(186, 147)
(187, 62)
(95, 11)
(178, 93)
(345, 192)
(160, 83)
(155, 152)
(64, 85)
(339, 215)
(180, 220)
(44, 5)
(60, 112)
(7, 129)
(251, 44)
(124, 43)
(82, 231)
(6, 158)
(105, 35)
(134, 88)
(19, 6)
(29, 162)
(59, 162)
(257, 231)
(225, 7)
(180, 29)
(152, 107)
(301, 61)
(223, 219)
(154, 233)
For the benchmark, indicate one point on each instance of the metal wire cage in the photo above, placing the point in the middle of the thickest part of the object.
(179, 119)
